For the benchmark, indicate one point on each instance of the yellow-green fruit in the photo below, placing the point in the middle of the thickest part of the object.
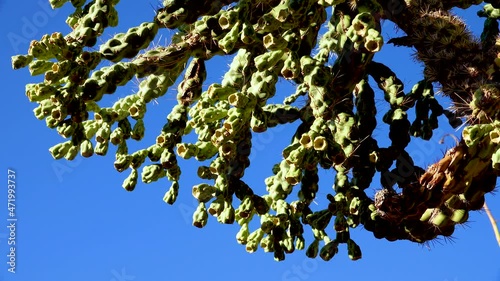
(200, 216)
(86, 148)
(460, 216)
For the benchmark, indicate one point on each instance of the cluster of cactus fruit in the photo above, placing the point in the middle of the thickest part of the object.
(281, 38)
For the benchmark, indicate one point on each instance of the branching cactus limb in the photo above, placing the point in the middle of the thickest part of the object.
(272, 40)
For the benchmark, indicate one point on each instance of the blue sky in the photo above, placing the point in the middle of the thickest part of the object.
(75, 221)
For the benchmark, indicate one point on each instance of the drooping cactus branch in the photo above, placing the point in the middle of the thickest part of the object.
(273, 39)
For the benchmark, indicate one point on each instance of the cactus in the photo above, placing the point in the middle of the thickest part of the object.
(273, 39)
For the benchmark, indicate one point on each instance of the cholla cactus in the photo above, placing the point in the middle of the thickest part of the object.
(272, 39)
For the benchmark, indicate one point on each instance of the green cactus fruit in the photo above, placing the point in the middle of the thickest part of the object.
(460, 216)
(21, 61)
(247, 34)
(254, 240)
(138, 130)
(322, 222)
(203, 192)
(353, 250)
(137, 110)
(131, 181)
(268, 60)
(340, 223)
(313, 249)
(38, 67)
(171, 195)
(101, 148)
(103, 133)
(242, 235)
(329, 250)
(60, 150)
(440, 219)
(267, 243)
(300, 243)
(86, 148)
(117, 136)
(228, 42)
(227, 216)
(200, 216)
(72, 153)
(138, 158)
(152, 173)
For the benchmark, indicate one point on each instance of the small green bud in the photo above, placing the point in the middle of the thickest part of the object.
(267, 223)
(91, 128)
(296, 156)
(218, 92)
(212, 114)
